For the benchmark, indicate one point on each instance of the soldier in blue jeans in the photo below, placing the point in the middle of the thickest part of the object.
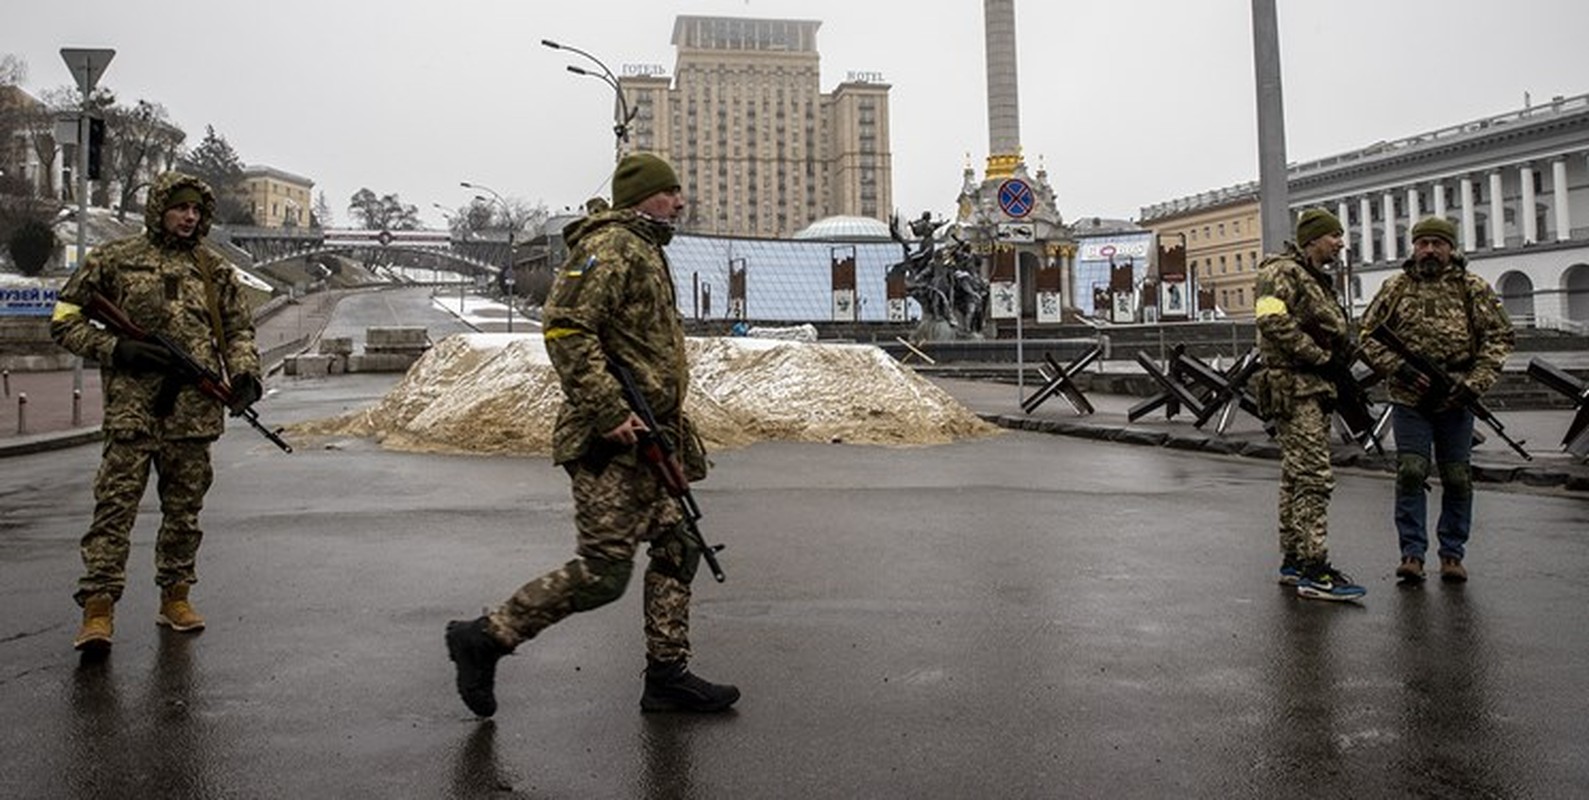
(1455, 321)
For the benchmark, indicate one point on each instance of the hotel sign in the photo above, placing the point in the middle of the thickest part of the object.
(864, 77)
(643, 70)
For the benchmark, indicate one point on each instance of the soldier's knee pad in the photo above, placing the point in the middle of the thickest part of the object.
(604, 583)
(676, 555)
(1456, 478)
(1412, 473)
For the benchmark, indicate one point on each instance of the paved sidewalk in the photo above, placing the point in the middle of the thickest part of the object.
(1494, 462)
(48, 421)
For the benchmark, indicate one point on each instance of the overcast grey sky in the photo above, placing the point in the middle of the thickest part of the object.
(1126, 103)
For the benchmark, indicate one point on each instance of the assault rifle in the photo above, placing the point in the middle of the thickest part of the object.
(189, 368)
(663, 457)
(1351, 401)
(1441, 386)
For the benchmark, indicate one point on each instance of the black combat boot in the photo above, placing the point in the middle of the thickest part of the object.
(670, 686)
(471, 646)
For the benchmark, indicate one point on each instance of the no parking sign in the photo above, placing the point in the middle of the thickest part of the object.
(1016, 198)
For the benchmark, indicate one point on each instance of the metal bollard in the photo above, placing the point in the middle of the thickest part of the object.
(77, 408)
(22, 413)
(5, 377)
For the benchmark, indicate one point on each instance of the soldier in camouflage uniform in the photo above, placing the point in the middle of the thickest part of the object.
(168, 281)
(1455, 320)
(1302, 328)
(613, 300)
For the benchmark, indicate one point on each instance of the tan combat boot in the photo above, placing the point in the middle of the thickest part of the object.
(175, 610)
(98, 625)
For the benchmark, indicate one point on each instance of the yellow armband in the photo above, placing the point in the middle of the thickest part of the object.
(65, 311)
(1269, 305)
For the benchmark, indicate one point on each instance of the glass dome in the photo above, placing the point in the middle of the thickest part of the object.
(845, 229)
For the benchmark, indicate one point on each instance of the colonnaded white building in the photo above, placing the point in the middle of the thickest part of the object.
(1515, 185)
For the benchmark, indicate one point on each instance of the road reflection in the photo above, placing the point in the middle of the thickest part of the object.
(669, 768)
(476, 771)
(1451, 744)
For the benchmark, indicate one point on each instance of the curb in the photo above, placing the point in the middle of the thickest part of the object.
(1537, 477)
(42, 442)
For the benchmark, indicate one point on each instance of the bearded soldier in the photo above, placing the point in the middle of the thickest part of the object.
(612, 302)
(168, 282)
(1455, 321)
(1302, 328)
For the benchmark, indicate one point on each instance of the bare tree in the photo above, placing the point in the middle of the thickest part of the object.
(386, 213)
(140, 140)
(320, 215)
(13, 70)
(216, 163)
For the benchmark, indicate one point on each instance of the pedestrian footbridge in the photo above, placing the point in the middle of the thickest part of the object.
(474, 252)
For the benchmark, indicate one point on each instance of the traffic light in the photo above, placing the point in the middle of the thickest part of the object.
(96, 143)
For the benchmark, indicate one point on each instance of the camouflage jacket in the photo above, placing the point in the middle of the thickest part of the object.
(1452, 317)
(1300, 321)
(159, 281)
(613, 299)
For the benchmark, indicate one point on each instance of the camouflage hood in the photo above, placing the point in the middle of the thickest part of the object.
(658, 233)
(155, 208)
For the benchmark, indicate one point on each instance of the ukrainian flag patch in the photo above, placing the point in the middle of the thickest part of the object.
(579, 270)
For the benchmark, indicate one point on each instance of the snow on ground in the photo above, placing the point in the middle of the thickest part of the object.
(498, 394)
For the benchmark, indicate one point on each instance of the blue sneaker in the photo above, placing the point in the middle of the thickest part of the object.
(1321, 581)
(1290, 571)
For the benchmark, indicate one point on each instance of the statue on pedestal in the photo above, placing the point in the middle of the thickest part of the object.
(946, 283)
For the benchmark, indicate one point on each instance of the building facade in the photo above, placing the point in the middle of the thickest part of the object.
(1223, 242)
(1515, 185)
(277, 199)
(759, 148)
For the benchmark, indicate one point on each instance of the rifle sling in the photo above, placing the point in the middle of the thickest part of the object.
(213, 303)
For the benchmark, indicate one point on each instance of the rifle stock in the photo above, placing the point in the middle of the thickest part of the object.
(1442, 386)
(663, 459)
(208, 381)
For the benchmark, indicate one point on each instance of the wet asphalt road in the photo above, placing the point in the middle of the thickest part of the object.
(1020, 616)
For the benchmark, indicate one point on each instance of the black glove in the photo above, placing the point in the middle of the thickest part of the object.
(1412, 378)
(246, 391)
(1462, 394)
(135, 356)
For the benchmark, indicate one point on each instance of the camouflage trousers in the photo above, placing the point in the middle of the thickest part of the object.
(615, 510)
(184, 476)
(1306, 479)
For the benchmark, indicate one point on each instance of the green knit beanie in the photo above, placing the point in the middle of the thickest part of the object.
(638, 176)
(184, 194)
(1316, 222)
(1439, 227)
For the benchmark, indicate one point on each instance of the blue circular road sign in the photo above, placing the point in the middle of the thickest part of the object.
(1016, 198)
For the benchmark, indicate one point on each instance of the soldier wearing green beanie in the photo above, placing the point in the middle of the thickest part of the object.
(1316, 222)
(1438, 227)
(612, 303)
(638, 176)
(1455, 320)
(1304, 339)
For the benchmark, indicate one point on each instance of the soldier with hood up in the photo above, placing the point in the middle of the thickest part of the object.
(612, 301)
(168, 282)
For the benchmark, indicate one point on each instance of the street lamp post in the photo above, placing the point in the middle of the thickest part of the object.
(508, 278)
(435, 270)
(624, 115)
